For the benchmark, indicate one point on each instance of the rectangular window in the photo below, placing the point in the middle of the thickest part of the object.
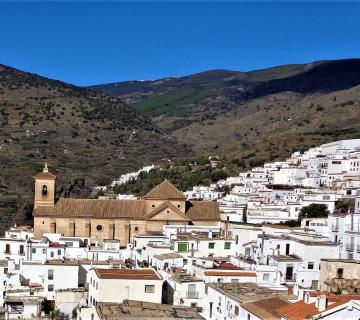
(236, 310)
(33, 250)
(265, 277)
(149, 288)
(51, 274)
(52, 254)
(44, 251)
(50, 287)
(234, 280)
(7, 248)
(227, 245)
(183, 247)
(310, 265)
(211, 245)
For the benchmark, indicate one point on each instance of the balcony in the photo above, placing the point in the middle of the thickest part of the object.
(335, 228)
(192, 295)
(349, 247)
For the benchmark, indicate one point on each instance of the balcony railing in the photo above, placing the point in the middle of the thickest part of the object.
(334, 228)
(350, 247)
(192, 295)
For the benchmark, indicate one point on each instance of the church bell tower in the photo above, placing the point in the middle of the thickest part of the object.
(44, 188)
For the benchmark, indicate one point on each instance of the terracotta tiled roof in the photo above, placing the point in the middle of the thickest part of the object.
(93, 208)
(301, 310)
(202, 210)
(265, 309)
(134, 274)
(45, 175)
(165, 190)
(214, 273)
(298, 310)
(135, 209)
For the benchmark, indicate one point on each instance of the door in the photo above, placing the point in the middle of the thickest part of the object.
(289, 272)
(287, 250)
(191, 294)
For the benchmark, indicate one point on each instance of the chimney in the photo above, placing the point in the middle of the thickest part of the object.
(301, 294)
(322, 302)
(210, 234)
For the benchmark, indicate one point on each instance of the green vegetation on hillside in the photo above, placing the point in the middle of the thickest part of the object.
(172, 103)
(183, 178)
(83, 135)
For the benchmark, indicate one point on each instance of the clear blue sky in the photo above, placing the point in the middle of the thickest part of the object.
(92, 42)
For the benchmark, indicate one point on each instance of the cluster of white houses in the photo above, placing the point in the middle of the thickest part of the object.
(172, 256)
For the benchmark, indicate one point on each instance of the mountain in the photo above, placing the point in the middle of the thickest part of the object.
(87, 138)
(253, 116)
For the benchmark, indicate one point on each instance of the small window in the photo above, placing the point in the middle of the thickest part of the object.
(227, 245)
(179, 206)
(265, 277)
(236, 310)
(33, 250)
(50, 287)
(234, 280)
(310, 265)
(340, 272)
(211, 245)
(59, 252)
(44, 251)
(50, 274)
(149, 288)
(183, 247)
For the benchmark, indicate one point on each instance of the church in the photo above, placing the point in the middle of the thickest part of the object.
(115, 219)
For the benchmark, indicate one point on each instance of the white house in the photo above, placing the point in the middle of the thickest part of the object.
(116, 285)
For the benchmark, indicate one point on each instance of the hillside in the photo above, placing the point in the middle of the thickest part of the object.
(253, 116)
(86, 137)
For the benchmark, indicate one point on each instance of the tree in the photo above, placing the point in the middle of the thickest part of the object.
(314, 210)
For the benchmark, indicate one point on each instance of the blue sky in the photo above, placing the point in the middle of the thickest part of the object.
(95, 42)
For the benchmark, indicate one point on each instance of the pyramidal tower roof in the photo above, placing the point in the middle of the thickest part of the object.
(45, 174)
(165, 190)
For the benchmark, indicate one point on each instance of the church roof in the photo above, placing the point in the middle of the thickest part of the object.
(94, 208)
(113, 209)
(165, 190)
(45, 175)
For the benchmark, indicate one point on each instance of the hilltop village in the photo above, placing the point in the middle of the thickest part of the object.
(283, 243)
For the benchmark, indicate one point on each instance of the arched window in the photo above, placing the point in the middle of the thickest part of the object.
(44, 190)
